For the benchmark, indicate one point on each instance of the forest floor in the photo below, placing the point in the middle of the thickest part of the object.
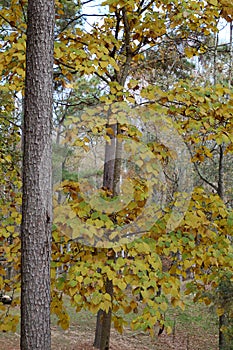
(194, 329)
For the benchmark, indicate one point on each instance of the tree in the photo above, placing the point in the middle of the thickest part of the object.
(36, 202)
(10, 201)
(114, 49)
(114, 61)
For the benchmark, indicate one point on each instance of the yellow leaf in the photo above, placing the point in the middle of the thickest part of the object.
(103, 64)
(177, 302)
(20, 71)
(220, 311)
(107, 297)
(8, 158)
(97, 299)
(190, 52)
(10, 229)
(121, 284)
(213, 2)
(78, 298)
(169, 330)
(94, 308)
(163, 306)
(79, 279)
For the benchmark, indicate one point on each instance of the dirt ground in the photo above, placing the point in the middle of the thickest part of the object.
(195, 328)
(83, 340)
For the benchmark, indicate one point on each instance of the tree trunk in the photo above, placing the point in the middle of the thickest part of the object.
(222, 338)
(103, 323)
(109, 161)
(37, 189)
(110, 182)
(111, 178)
(223, 319)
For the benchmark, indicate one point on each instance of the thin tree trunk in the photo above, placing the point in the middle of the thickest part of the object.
(223, 319)
(109, 161)
(117, 165)
(103, 323)
(222, 338)
(36, 203)
(112, 170)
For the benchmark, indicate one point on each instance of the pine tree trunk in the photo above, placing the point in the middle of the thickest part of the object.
(36, 202)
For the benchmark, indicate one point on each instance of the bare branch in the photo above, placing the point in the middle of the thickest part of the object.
(83, 15)
(11, 122)
(10, 23)
(86, 2)
(146, 7)
(118, 17)
(102, 77)
(220, 172)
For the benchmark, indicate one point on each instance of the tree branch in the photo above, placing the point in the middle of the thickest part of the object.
(146, 7)
(10, 23)
(204, 179)
(220, 173)
(118, 17)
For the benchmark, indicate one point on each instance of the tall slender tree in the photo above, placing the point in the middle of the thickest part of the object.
(36, 207)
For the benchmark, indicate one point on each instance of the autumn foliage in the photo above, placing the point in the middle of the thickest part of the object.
(153, 243)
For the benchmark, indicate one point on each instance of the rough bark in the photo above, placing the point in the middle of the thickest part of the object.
(36, 203)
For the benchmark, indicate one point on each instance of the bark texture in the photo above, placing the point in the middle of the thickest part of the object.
(37, 191)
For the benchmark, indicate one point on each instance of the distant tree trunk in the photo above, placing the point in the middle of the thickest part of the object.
(36, 202)
(223, 319)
